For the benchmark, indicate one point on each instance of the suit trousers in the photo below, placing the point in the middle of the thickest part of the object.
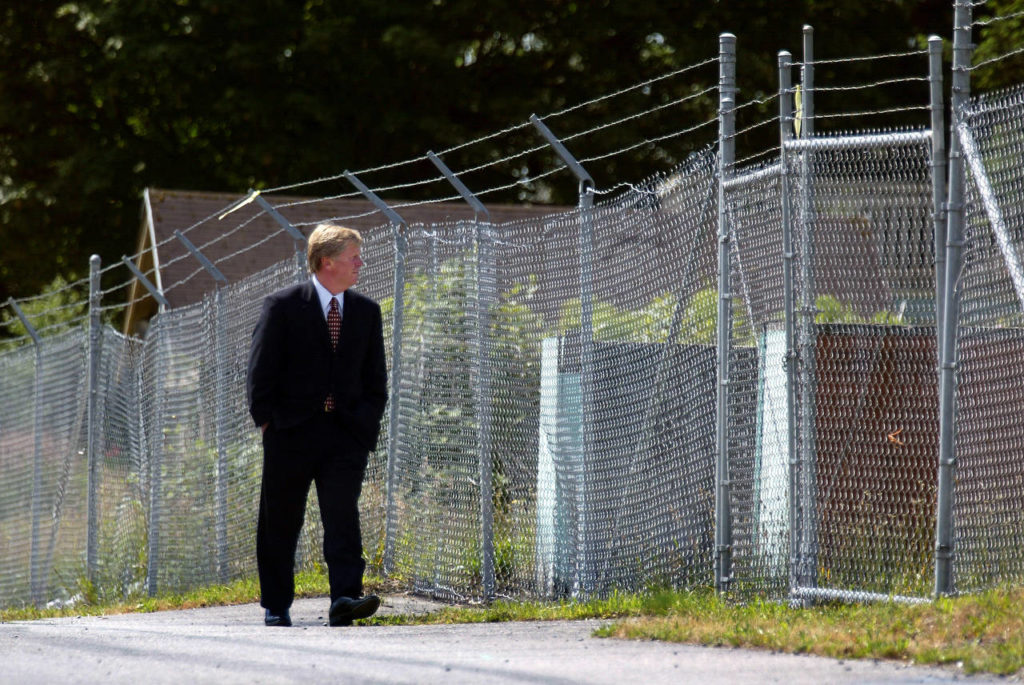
(316, 451)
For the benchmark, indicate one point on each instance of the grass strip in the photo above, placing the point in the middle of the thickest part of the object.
(980, 633)
(307, 584)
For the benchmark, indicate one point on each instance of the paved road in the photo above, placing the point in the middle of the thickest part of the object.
(230, 645)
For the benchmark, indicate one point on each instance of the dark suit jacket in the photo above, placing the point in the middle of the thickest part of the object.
(292, 367)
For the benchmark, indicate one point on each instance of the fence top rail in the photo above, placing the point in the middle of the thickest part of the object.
(867, 140)
(749, 178)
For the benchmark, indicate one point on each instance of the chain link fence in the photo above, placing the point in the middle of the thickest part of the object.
(721, 375)
(989, 498)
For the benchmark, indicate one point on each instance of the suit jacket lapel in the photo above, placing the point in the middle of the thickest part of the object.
(311, 309)
(348, 325)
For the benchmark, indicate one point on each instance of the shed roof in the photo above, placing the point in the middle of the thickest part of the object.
(248, 239)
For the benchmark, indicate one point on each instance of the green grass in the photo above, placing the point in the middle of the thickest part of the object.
(981, 633)
(307, 584)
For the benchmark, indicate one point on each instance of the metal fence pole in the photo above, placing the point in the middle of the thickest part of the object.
(954, 248)
(587, 575)
(726, 159)
(155, 476)
(399, 228)
(220, 413)
(486, 296)
(785, 134)
(808, 334)
(94, 419)
(37, 585)
(938, 186)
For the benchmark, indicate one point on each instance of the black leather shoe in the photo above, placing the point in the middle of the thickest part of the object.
(277, 618)
(346, 609)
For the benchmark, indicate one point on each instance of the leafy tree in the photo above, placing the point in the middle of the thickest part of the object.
(101, 98)
(61, 307)
(998, 39)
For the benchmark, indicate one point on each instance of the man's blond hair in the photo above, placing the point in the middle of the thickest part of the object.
(328, 240)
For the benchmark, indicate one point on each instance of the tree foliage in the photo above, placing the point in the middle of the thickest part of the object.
(102, 98)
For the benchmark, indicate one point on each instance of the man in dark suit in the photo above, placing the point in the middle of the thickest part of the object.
(317, 386)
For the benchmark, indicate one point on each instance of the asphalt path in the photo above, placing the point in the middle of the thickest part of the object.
(231, 645)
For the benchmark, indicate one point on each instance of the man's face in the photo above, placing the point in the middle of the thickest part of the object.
(342, 270)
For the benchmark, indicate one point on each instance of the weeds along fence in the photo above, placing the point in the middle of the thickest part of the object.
(792, 376)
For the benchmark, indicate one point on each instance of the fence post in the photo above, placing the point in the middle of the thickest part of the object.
(220, 397)
(93, 422)
(37, 585)
(808, 351)
(951, 310)
(726, 159)
(155, 479)
(586, 249)
(938, 186)
(485, 287)
(785, 134)
(394, 434)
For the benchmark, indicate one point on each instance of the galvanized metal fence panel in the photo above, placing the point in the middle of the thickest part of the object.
(757, 412)
(867, 391)
(43, 469)
(989, 493)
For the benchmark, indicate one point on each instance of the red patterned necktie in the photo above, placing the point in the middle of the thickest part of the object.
(334, 327)
(334, 322)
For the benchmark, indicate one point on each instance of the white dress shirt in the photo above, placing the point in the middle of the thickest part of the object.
(325, 298)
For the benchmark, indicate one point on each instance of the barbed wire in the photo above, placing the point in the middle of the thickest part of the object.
(523, 153)
(767, 122)
(872, 112)
(865, 86)
(992, 20)
(523, 182)
(757, 155)
(184, 280)
(993, 60)
(492, 163)
(631, 117)
(649, 141)
(757, 101)
(41, 296)
(511, 129)
(83, 303)
(42, 330)
(865, 58)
